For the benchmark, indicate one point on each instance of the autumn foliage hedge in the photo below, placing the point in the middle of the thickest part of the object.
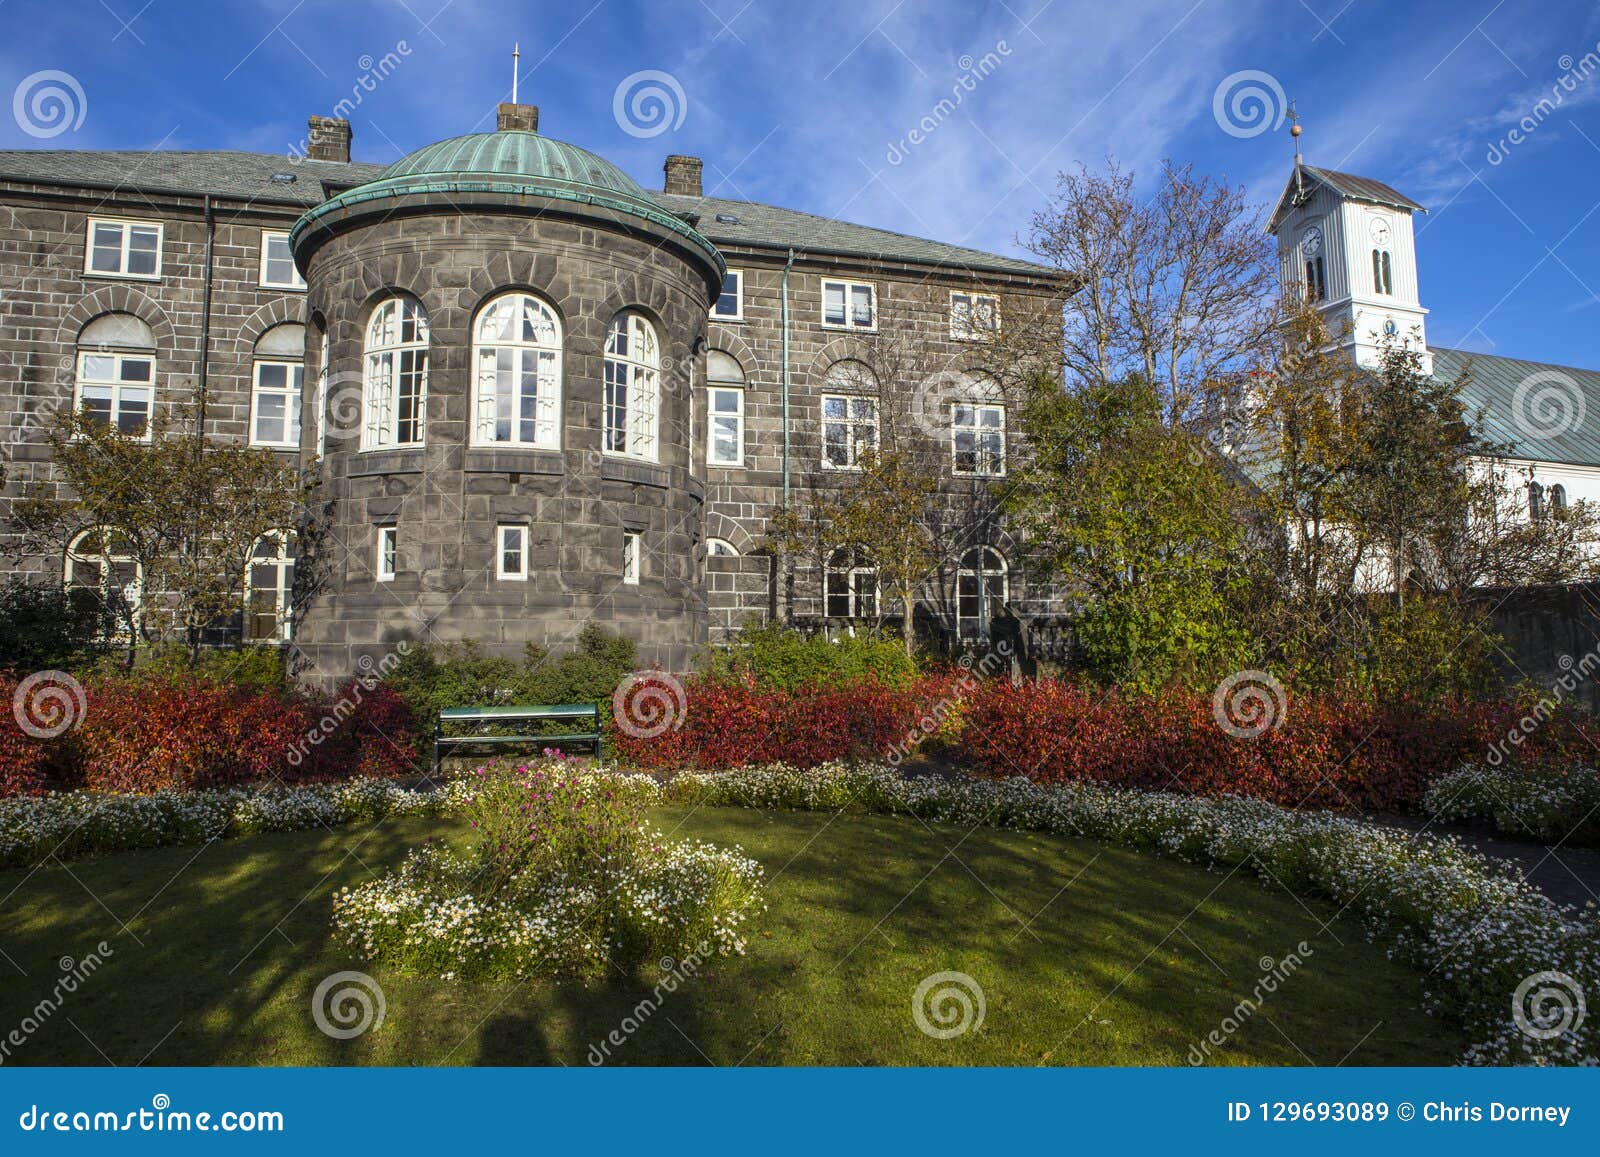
(148, 734)
(1328, 749)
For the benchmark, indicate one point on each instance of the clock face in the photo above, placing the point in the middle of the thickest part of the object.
(1379, 231)
(1311, 241)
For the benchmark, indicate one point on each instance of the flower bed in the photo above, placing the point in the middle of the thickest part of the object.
(1548, 805)
(1324, 750)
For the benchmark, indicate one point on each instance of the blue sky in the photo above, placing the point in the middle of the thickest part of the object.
(810, 105)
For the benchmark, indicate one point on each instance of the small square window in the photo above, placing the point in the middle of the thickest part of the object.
(511, 553)
(388, 552)
(630, 558)
(277, 262)
(730, 305)
(849, 305)
(974, 316)
(123, 249)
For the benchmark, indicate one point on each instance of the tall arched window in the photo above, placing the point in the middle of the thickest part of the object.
(1382, 272)
(516, 357)
(268, 587)
(277, 374)
(724, 409)
(396, 373)
(849, 414)
(116, 379)
(980, 591)
(1535, 501)
(1558, 498)
(322, 389)
(633, 387)
(852, 585)
(102, 560)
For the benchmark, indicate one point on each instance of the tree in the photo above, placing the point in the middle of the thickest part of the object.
(1143, 522)
(186, 510)
(1177, 289)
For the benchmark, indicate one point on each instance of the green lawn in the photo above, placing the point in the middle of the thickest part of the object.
(1086, 955)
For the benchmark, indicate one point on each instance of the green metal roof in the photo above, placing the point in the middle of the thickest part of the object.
(1546, 413)
(520, 154)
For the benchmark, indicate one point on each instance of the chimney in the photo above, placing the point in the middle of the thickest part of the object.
(683, 176)
(522, 118)
(329, 140)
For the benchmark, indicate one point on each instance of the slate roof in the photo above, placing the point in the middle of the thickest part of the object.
(1347, 184)
(768, 226)
(248, 176)
(1519, 400)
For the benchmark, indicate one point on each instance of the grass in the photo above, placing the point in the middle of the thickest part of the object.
(1087, 955)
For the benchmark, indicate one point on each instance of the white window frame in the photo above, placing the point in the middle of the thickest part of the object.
(961, 327)
(291, 393)
(634, 422)
(721, 548)
(281, 563)
(849, 288)
(1382, 272)
(520, 572)
(295, 282)
(981, 576)
(322, 396)
(116, 385)
(632, 562)
(853, 443)
(389, 359)
(499, 365)
(736, 416)
(738, 299)
(976, 429)
(106, 560)
(386, 563)
(860, 566)
(127, 226)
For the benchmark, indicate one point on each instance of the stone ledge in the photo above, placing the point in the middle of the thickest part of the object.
(366, 463)
(643, 473)
(514, 461)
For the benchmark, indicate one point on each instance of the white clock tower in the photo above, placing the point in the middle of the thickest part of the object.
(1346, 243)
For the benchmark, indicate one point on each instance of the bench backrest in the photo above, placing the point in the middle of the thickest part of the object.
(493, 714)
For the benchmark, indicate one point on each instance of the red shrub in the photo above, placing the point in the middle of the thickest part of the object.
(24, 758)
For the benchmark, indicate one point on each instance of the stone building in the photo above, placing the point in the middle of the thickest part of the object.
(533, 393)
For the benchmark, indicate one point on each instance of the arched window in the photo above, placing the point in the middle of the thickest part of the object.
(721, 546)
(1382, 272)
(633, 386)
(116, 378)
(322, 389)
(849, 414)
(852, 585)
(277, 373)
(102, 560)
(1558, 498)
(517, 359)
(1535, 501)
(978, 428)
(980, 591)
(724, 410)
(396, 373)
(268, 587)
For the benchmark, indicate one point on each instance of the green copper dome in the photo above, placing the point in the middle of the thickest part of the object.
(518, 154)
(498, 168)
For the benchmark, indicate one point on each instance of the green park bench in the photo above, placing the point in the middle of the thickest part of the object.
(586, 715)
